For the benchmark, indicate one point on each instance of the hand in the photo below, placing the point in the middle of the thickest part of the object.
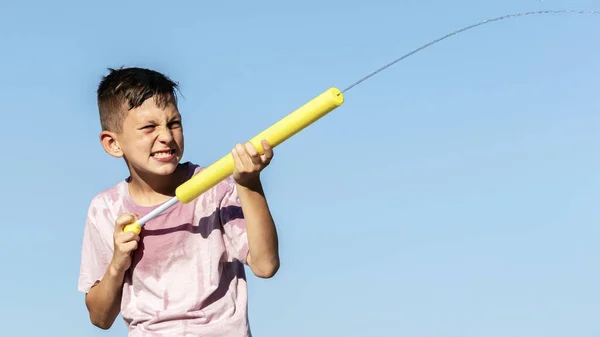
(124, 243)
(249, 162)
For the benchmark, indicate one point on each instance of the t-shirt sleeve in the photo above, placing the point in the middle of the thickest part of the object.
(96, 251)
(234, 225)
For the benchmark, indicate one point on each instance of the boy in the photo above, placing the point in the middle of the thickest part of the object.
(183, 275)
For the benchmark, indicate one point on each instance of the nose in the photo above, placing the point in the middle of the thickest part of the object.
(165, 135)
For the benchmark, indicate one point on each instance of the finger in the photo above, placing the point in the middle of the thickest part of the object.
(124, 219)
(124, 237)
(130, 246)
(244, 157)
(268, 153)
(239, 165)
(252, 153)
(251, 150)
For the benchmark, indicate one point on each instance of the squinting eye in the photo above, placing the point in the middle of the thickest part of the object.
(175, 124)
(147, 128)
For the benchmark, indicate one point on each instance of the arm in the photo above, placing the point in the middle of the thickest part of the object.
(103, 300)
(263, 255)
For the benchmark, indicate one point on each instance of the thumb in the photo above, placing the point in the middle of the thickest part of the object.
(124, 219)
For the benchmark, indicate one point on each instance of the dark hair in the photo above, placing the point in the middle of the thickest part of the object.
(128, 88)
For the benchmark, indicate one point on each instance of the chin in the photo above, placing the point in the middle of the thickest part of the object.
(163, 168)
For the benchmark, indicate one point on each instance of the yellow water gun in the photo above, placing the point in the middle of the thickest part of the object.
(222, 168)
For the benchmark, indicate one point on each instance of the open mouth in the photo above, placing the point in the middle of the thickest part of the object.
(163, 155)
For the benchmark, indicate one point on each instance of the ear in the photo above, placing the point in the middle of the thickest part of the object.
(110, 144)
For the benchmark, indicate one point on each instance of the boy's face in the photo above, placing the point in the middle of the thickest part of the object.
(151, 139)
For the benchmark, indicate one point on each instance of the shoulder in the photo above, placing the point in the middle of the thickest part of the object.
(223, 189)
(107, 204)
(102, 212)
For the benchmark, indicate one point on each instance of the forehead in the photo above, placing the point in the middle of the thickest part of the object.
(153, 110)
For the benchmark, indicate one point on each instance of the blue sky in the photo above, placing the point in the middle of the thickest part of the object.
(454, 194)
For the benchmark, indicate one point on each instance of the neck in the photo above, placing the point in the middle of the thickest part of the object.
(150, 190)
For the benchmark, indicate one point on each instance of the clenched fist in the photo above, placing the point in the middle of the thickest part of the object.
(248, 162)
(124, 243)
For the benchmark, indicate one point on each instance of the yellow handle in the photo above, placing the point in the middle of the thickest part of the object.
(275, 135)
(133, 227)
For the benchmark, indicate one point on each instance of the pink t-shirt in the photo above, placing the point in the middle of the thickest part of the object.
(187, 276)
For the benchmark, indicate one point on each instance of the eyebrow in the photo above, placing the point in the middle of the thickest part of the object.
(152, 120)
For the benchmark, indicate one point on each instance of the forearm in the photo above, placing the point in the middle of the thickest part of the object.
(263, 257)
(104, 299)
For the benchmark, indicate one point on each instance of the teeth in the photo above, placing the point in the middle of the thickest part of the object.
(162, 154)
